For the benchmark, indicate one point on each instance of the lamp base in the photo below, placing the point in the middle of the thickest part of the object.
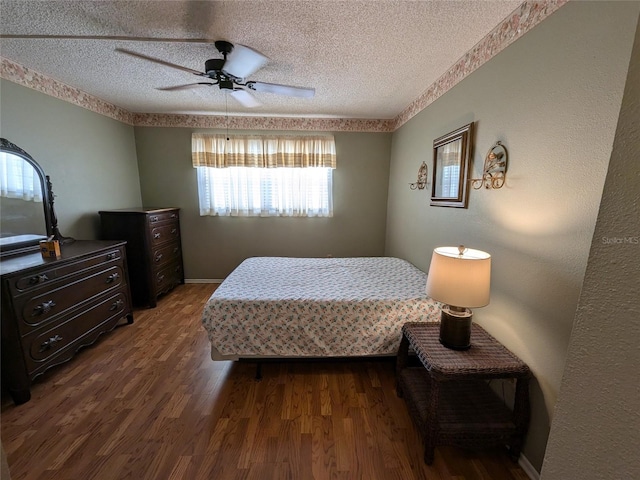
(455, 327)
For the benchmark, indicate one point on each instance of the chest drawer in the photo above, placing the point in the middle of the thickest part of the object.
(169, 276)
(48, 304)
(165, 254)
(28, 283)
(155, 218)
(164, 233)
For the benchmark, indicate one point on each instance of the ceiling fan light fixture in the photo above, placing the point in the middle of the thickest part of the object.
(226, 84)
(213, 66)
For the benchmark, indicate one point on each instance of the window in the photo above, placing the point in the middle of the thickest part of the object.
(265, 192)
(264, 176)
(450, 180)
(18, 179)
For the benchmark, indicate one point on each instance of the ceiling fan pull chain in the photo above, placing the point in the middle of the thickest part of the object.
(226, 111)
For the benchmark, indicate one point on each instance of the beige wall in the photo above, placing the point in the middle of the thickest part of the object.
(553, 98)
(214, 246)
(596, 427)
(90, 158)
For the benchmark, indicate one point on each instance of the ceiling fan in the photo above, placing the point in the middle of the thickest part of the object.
(230, 73)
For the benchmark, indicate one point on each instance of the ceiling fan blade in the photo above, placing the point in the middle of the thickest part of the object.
(109, 37)
(282, 89)
(157, 60)
(245, 98)
(243, 61)
(184, 87)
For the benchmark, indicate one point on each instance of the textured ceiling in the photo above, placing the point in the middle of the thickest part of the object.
(366, 59)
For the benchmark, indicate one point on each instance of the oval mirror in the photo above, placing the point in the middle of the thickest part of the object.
(25, 211)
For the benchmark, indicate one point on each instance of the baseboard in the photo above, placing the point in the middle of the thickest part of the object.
(531, 472)
(203, 280)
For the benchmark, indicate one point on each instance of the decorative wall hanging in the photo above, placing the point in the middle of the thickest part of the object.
(421, 183)
(494, 172)
(451, 159)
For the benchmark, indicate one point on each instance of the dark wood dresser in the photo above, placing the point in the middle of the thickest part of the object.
(154, 250)
(51, 308)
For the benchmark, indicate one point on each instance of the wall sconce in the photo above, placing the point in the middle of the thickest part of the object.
(494, 172)
(422, 178)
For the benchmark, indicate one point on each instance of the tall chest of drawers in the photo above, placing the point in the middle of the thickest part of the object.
(51, 308)
(154, 250)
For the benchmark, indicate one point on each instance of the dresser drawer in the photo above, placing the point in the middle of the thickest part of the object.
(155, 218)
(168, 277)
(50, 303)
(165, 233)
(42, 346)
(27, 283)
(165, 254)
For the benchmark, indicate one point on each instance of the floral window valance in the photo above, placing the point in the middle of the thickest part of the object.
(220, 151)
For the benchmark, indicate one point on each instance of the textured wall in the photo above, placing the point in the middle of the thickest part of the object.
(90, 158)
(596, 428)
(553, 98)
(213, 246)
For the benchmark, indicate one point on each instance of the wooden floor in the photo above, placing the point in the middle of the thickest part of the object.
(147, 402)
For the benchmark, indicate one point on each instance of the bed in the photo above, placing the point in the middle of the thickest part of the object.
(280, 307)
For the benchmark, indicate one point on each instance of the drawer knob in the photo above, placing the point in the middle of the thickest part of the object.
(160, 278)
(173, 215)
(49, 343)
(174, 231)
(112, 256)
(112, 278)
(156, 235)
(158, 257)
(38, 279)
(43, 308)
(175, 249)
(154, 218)
(117, 305)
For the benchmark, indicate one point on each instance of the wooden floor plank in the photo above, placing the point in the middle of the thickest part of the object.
(147, 401)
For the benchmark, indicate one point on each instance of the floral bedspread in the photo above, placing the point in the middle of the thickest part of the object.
(316, 307)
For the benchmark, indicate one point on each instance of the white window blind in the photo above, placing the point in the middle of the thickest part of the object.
(264, 175)
(450, 181)
(265, 192)
(18, 179)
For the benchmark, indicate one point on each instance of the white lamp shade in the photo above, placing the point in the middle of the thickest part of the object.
(461, 280)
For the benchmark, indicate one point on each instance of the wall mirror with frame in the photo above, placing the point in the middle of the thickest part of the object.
(451, 161)
(26, 202)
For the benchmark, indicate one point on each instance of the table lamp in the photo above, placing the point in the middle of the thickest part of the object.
(459, 278)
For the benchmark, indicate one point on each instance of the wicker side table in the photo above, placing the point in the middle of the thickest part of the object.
(448, 396)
